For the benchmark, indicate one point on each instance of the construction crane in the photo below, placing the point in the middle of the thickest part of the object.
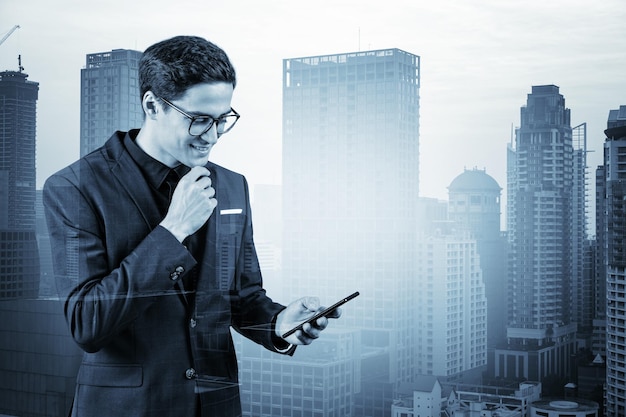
(13, 29)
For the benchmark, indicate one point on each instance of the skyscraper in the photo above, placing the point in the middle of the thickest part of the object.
(451, 340)
(474, 206)
(350, 191)
(540, 332)
(109, 96)
(600, 267)
(582, 295)
(19, 259)
(614, 204)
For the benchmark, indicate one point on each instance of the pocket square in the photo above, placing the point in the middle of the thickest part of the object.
(231, 211)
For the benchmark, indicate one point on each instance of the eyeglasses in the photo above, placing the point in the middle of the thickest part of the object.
(199, 125)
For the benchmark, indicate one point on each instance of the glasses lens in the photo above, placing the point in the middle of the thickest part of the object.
(200, 126)
(224, 124)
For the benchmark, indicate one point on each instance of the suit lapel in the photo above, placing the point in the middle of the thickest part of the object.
(125, 170)
(137, 189)
(209, 257)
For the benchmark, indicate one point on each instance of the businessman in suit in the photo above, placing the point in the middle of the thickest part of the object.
(154, 256)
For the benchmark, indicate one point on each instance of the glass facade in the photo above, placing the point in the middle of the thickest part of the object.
(615, 231)
(350, 192)
(110, 101)
(545, 246)
(19, 258)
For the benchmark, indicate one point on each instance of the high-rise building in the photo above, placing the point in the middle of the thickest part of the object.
(19, 259)
(47, 286)
(600, 267)
(614, 204)
(451, 340)
(350, 192)
(474, 207)
(582, 292)
(474, 204)
(542, 238)
(109, 96)
(39, 359)
(451, 299)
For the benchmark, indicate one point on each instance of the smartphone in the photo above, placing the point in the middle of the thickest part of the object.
(322, 313)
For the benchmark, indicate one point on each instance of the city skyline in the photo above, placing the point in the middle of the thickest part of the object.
(477, 62)
(367, 171)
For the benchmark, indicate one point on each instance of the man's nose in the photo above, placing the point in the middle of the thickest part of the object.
(210, 135)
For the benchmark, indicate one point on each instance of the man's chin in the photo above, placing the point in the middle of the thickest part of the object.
(196, 162)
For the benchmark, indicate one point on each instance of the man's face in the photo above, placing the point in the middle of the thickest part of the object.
(172, 143)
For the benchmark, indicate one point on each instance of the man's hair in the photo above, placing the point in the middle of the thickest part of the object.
(168, 68)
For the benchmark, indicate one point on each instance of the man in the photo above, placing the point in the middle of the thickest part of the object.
(154, 256)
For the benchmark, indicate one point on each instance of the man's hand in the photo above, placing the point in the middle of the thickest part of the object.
(192, 203)
(298, 312)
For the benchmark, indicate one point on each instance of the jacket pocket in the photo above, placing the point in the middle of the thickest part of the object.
(231, 224)
(103, 375)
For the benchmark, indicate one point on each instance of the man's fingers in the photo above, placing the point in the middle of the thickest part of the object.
(309, 333)
(335, 314)
(203, 182)
(196, 173)
(311, 303)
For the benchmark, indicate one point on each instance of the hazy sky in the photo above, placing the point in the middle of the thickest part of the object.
(479, 60)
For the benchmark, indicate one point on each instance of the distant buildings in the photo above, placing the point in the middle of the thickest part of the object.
(545, 246)
(47, 285)
(600, 267)
(422, 398)
(474, 207)
(350, 188)
(451, 324)
(38, 359)
(427, 397)
(613, 202)
(430, 398)
(565, 408)
(19, 258)
(320, 380)
(582, 311)
(109, 96)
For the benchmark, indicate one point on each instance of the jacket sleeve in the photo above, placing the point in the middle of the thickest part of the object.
(101, 298)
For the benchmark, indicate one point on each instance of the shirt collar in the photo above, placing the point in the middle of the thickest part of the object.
(153, 170)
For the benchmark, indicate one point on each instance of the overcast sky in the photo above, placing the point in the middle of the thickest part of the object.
(479, 60)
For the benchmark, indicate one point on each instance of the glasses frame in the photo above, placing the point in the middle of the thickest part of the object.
(192, 119)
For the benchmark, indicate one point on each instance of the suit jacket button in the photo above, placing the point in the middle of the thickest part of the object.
(176, 274)
(190, 373)
(192, 323)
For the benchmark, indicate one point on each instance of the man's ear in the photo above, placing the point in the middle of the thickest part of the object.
(150, 104)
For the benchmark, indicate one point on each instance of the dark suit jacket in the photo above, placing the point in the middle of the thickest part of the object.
(152, 349)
